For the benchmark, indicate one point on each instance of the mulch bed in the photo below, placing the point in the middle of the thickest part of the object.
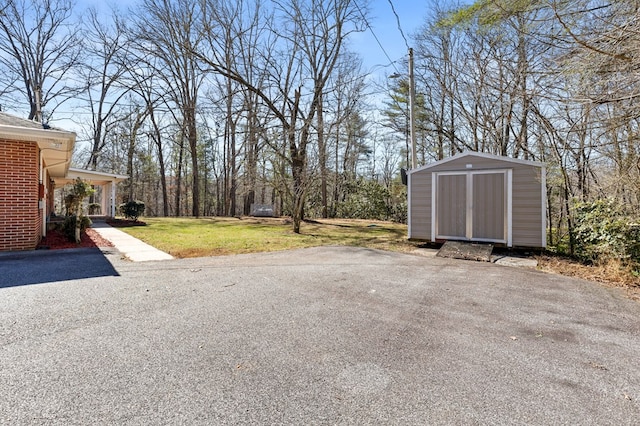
(56, 240)
(124, 223)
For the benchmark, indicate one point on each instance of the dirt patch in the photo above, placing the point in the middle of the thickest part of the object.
(56, 240)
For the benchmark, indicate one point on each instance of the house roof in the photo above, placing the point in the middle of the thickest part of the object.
(480, 155)
(56, 145)
(11, 120)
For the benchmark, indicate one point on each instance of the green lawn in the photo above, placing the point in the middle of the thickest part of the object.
(211, 236)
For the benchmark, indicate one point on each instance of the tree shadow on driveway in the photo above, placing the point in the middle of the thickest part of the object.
(45, 266)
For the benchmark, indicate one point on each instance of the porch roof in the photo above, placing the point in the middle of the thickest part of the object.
(91, 176)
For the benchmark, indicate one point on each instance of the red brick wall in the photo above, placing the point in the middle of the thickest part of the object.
(20, 217)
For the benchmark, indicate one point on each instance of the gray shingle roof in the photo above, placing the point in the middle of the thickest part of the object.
(10, 120)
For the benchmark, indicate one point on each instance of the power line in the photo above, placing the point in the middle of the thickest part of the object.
(393, 9)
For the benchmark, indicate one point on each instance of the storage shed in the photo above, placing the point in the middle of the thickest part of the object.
(480, 197)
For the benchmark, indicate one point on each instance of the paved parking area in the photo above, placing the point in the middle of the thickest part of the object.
(329, 335)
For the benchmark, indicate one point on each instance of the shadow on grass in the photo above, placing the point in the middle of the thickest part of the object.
(45, 266)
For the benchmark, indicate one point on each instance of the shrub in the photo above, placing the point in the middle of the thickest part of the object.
(399, 212)
(366, 200)
(73, 202)
(604, 232)
(69, 226)
(132, 209)
(95, 208)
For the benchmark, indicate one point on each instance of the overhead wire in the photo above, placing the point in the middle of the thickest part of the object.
(375, 36)
(393, 9)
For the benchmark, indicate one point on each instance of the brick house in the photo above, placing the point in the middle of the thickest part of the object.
(33, 157)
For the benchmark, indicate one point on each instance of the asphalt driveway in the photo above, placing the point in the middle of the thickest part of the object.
(319, 336)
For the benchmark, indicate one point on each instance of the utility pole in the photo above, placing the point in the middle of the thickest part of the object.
(412, 112)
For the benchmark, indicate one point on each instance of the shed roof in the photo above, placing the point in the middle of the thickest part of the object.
(56, 146)
(479, 155)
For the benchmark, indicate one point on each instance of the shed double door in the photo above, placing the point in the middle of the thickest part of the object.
(472, 206)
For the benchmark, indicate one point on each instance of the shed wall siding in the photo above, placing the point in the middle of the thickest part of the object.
(527, 206)
(420, 209)
(20, 221)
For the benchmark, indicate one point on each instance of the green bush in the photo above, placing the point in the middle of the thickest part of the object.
(95, 208)
(399, 212)
(69, 226)
(132, 209)
(366, 200)
(604, 232)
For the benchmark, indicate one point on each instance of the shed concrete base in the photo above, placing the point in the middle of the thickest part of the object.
(466, 250)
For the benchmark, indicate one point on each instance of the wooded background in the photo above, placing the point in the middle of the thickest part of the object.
(213, 105)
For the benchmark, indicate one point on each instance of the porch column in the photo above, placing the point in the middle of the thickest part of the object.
(104, 197)
(113, 199)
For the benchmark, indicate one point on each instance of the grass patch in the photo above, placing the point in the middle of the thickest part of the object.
(213, 236)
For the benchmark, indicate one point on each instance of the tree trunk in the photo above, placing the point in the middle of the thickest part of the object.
(78, 223)
(195, 172)
(297, 153)
(179, 177)
(322, 158)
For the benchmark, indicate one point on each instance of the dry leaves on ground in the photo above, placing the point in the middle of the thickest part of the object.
(612, 274)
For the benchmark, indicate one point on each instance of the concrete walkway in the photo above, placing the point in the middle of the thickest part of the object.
(130, 247)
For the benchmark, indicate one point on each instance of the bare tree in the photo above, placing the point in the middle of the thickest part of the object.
(168, 31)
(143, 83)
(39, 49)
(105, 45)
(309, 40)
(345, 99)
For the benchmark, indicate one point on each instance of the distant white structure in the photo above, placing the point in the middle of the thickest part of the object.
(262, 210)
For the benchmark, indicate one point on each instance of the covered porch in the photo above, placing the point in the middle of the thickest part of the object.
(105, 192)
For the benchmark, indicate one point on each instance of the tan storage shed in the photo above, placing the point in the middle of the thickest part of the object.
(481, 197)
